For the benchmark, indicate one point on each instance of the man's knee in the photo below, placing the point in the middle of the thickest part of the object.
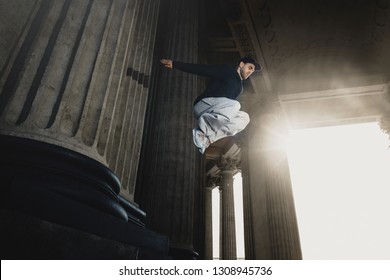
(244, 117)
(228, 108)
(236, 105)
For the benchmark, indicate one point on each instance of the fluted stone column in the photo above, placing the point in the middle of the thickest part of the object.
(170, 161)
(73, 91)
(79, 77)
(228, 250)
(209, 219)
(274, 229)
(246, 193)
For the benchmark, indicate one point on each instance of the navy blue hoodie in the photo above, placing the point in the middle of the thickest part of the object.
(224, 82)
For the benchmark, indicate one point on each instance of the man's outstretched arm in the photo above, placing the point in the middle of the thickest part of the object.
(216, 71)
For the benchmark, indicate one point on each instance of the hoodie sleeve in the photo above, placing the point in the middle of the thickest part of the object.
(213, 71)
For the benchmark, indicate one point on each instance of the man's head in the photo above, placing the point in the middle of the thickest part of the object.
(247, 66)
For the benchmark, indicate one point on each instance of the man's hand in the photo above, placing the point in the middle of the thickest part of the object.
(167, 63)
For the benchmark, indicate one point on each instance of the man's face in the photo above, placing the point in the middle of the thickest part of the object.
(246, 69)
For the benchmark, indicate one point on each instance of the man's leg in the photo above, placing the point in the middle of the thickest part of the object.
(237, 124)
(220, 117)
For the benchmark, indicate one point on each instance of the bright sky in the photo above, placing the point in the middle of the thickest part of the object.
(341, 184)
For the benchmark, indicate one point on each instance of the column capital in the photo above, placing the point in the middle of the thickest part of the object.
(213, 182)
(226, 163)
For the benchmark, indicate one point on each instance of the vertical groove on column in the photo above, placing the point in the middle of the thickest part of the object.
(228, 226)
(62, 88)
(108, 121)
(113, 115)
(128, 123)
(145, 68)
(275, 229)
(208, 223)
(248, 237)
(131, 136)
(284, 231)
(184, 87)
(185, 49)
(20, 16)
(43, 64)
(179, 179)
(76, 93)
(26, 64)
(98, 89)
(54, 81)
(10, 82)
(164, 149)
(69, 83)
(115, 159)
(169, 156)
(192, 153)
(122, 94)
(170, 127)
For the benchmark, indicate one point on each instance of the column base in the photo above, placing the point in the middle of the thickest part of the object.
(24, 237)
(53, 190)
(179, 253)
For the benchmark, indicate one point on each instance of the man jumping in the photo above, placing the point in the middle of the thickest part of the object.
(216, 110)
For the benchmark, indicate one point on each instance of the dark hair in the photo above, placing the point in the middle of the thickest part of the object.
(248, 59)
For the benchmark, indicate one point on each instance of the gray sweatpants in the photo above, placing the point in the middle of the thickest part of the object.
(219, 117)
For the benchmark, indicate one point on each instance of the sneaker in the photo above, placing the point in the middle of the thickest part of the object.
(200, 140)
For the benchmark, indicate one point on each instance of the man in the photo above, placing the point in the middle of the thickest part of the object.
(216, 110)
